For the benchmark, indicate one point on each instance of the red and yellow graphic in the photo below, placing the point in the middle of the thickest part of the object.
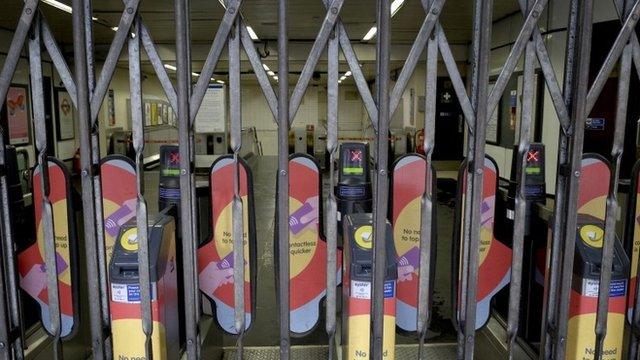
(592, 197)
(359, 310)
(408, 184)
(215, 258)
(118, 197)
(308, 251)
(494, 272)
(31, 262)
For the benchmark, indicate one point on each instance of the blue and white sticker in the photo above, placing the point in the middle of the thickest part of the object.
(617, 288)
(129, 293)
(389, 289)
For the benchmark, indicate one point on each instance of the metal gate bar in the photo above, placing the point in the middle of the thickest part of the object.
(572, 104)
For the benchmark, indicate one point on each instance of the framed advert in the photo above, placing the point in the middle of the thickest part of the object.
(17, 117)
(65, 115)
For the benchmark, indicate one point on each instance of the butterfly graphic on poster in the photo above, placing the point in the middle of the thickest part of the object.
(16, 104)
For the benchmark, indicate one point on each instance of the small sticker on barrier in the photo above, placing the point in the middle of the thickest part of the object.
(361, 290)
(125, 293)
(590, 288)
(389, 289)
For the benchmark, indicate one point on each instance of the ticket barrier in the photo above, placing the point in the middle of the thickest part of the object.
(494, 263)
(357, 288)
(592, 195)
(584, 293)
(535, 239)
(32, 267)
(408, 181)
(215, 256)
(124, 283)
(308, 254)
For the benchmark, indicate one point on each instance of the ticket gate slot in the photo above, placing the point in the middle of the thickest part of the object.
(357, 288)
(584, 294)
(124, 283)
(353, 191)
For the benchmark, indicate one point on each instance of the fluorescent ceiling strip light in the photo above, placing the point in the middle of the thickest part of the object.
(64, 7)
(395, 7)
(220, 81)
(348, 73)
(370, 34)
(252, 34)
(170, 67)
(265, 67)
(59, 5)
(271, 73)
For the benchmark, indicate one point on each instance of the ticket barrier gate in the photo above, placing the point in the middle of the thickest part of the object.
(593, 191)
(357, 288)
(216, 256)
(494, 267)
(124, 285)
(535, 239)
(32, 261)
(584, 293)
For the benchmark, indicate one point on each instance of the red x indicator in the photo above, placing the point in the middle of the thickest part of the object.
(532, 156)
(356, 155)
(174, 158)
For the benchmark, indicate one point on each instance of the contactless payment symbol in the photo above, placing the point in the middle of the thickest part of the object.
(592, 235)
(364, 237)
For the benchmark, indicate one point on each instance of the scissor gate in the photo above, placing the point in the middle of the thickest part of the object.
(572, 102)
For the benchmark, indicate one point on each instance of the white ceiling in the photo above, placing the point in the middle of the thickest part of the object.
(305, 19)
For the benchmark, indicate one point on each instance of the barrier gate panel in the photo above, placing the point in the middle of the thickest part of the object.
(572, 102)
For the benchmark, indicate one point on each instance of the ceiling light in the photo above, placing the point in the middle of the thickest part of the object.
(370, 34)
(343, 78)
(220, 81)
(252, 33)
(265, 67)
(115, 28)
(58, 5)
(348, 73)
(94, 18)
(395, 6)
(195, 74)
(271, 73)
(170, 67)
(275, 78)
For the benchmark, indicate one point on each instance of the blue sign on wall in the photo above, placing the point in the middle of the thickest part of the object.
(595, 124)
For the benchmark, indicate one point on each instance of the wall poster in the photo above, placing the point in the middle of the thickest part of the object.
(65, 115)
(212, 116)
(17, 110)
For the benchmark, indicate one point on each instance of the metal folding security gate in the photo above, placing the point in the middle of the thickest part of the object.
(572, 102)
